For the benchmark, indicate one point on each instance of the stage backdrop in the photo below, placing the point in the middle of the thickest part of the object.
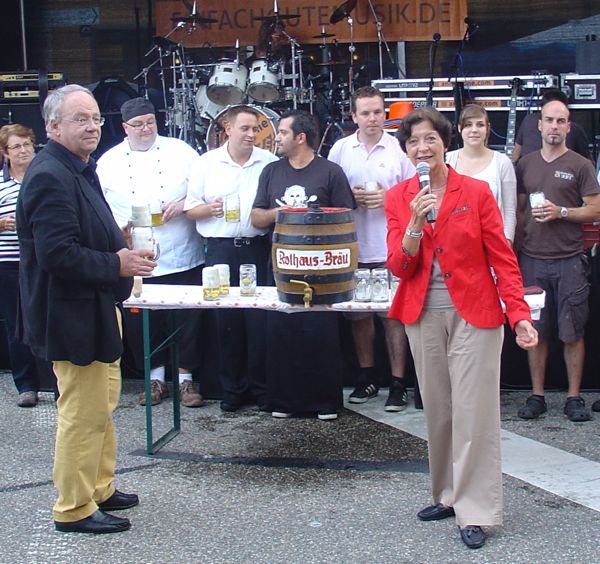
(402, 20)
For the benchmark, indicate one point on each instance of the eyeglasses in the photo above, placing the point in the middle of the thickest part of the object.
(82, 122)
(140, 126)
(19, 146)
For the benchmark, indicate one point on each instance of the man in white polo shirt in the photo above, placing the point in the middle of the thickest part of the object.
(373, 162)
(226, 179)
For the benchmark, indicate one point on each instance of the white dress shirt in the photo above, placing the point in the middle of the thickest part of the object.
(160, 174)
(216, 175)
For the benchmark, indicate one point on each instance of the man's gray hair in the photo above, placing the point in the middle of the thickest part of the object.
(54, 101)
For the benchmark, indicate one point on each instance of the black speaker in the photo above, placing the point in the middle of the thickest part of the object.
(25, 114)
(587, 59)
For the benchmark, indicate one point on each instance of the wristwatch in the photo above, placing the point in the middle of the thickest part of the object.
(564, 212)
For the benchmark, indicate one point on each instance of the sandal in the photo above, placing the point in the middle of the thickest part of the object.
(575, 409)
(533, 408)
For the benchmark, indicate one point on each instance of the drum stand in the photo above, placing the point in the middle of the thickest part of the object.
(381, 41)
(297, 78)
(336, 131)
(351, 50)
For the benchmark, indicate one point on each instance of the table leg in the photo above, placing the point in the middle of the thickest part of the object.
(154, 447)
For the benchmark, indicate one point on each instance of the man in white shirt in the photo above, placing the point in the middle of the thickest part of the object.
(225, 179)
(373, 162)
(146, 169)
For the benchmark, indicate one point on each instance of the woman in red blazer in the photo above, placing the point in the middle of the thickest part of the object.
(449, 300)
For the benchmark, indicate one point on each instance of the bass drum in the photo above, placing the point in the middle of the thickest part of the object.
(268, 121)
(205, 107)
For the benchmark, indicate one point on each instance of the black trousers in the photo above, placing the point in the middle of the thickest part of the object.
(30, 373)
(241, 333)
(304, 369)
(187, 319)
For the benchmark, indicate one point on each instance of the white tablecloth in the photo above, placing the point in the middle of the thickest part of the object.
(166, 296)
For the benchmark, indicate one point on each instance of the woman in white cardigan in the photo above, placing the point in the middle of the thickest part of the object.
(475, 159)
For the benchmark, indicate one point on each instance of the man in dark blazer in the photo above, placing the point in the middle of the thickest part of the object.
(75, 270)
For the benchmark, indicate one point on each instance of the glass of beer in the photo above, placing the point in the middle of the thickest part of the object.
(156, 212)
(232, 208)
(223, 278)
(247, 279)
(210, 283)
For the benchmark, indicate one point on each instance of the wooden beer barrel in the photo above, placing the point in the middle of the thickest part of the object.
(316, 248)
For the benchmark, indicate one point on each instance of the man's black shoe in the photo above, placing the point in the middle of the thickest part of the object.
(229, 407)
(435, 512)
(119, 500)
(97, 523)
(363, 393)
(473, 536)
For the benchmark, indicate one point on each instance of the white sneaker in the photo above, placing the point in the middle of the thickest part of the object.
(281, 414)
(327, 416)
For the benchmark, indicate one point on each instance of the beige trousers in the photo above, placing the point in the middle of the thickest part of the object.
(86, 445)
(458, 368)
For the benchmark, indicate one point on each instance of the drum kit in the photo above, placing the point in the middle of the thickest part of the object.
(277, 76)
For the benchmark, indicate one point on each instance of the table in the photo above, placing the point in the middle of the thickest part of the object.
(170, 297)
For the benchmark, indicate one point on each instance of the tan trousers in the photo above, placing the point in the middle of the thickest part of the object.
(458, 368)
(86, 445)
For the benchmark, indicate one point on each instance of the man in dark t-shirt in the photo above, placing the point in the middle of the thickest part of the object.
(303, 355)
(529, 139)
(558, 192)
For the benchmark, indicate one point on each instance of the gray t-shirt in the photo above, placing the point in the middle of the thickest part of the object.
(564, 182)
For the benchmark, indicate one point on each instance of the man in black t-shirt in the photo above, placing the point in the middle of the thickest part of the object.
(303, 356)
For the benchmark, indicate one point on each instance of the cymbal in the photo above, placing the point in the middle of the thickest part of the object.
(273, 18)
(342, 11)
(330, 63)
(164, 43)
(194, 19)
(323, 35)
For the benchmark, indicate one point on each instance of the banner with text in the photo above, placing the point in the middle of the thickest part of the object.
(401, 20)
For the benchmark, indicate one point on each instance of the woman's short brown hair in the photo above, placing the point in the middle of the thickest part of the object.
(14, 129)
(439, 122)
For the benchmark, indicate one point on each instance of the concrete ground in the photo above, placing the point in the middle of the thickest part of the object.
(245, 487)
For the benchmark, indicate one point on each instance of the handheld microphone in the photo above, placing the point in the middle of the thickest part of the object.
(436, 37)
(425, 182)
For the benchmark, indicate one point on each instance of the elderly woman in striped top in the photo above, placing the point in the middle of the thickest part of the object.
(16, 147)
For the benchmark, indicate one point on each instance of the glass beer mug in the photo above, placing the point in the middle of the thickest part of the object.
(380, 285)
(232, 208)
(362, 290)
(142, 237)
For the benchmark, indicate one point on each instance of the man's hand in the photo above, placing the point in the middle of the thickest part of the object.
(546, 212)
(216, 207)
(374, 198)
(133, 263)
(172, 210)
(359, 196)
